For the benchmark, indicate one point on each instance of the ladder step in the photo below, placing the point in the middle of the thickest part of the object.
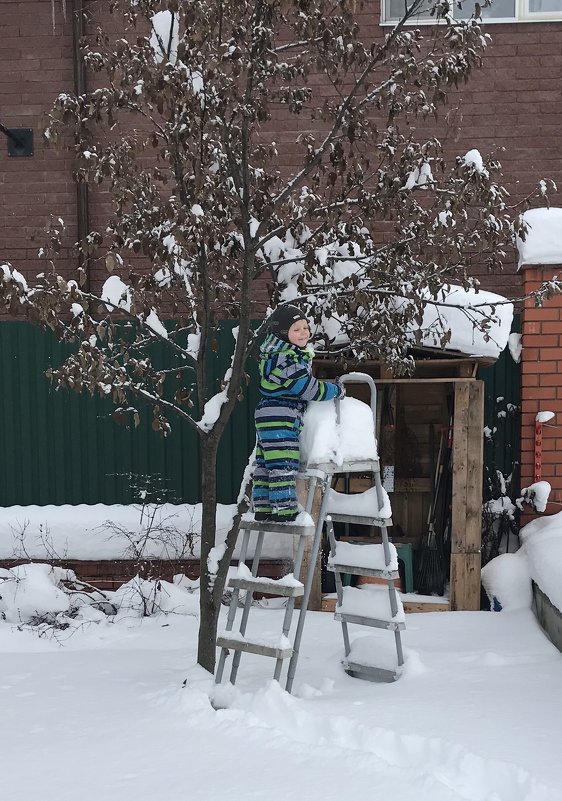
(371, 603)
(362, 620)
(303, 526)
(364, 556)
(370, 672)
(360, 520)
(278, 648)
(389, 575)
(331, 468)
(268, 586)
(371, 506)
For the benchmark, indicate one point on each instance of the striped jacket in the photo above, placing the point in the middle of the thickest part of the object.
(286, 373)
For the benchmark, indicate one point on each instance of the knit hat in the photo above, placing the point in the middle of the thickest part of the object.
(282, 319)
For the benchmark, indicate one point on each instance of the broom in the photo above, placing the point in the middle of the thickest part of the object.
(430, 563)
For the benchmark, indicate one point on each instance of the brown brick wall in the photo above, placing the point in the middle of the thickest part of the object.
(515, 102)
(541, 383)
(35, 64)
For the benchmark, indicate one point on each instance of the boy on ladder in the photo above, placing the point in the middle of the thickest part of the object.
(286, 386)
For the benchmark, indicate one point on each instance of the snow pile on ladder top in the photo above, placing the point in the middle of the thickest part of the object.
(322, 440)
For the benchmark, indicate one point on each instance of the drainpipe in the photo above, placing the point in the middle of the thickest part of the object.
(82, 214)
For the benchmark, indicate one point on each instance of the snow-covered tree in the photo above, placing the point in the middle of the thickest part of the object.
(366, 228)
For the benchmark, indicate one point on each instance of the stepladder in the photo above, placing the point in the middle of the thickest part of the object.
(355, 606)
(246, 581)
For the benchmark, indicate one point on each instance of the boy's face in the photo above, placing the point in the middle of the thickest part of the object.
(299, 334)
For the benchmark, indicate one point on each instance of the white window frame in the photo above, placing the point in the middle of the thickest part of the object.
(522, 14)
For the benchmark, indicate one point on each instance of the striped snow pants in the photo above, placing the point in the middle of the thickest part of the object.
(278, 425)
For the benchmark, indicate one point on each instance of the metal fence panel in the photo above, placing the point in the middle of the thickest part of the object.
(58, 447)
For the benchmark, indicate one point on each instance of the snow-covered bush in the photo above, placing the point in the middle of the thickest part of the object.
(40, 594)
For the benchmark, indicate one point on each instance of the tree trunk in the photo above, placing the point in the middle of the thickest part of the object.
(209, 604)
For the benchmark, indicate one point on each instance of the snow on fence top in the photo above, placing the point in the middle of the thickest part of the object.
(543, 241)
(322, 440)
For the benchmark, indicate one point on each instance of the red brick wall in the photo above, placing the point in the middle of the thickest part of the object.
(514, 102)
(35, 65)
(541, 381)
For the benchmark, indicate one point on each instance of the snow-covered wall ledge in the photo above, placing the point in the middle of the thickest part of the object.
(543, 241)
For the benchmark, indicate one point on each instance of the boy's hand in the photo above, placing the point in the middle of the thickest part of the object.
(341, 388)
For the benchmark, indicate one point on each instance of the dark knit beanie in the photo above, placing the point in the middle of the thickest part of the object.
(282, 319)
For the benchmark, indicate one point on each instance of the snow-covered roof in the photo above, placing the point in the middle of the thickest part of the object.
(460, 311)
(543, 240)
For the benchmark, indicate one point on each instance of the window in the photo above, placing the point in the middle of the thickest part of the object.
(499, 11)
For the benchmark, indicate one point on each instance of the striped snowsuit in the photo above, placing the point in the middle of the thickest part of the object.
(286, 386)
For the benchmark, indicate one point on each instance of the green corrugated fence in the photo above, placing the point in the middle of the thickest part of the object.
(58, 447)
(502, 414)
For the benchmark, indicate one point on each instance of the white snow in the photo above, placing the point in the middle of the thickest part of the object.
(457, 311)
(116, 293)
(474, 717)
(544, 417)
(474, 159)
(506, 578)
(370, 556)
(543, 240)
(212, 410)
(370, 601)
(154, 322)
(115, 532)
(323, 441)
(537, 495)
(162, 25)
(361, 503)
(515, 347)
(542, 543)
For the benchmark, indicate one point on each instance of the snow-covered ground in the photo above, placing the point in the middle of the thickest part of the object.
(100, 712)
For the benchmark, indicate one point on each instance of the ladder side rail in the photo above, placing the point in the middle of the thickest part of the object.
(308, 584)
(399, 651)
(233, 606)
(247, 605)
(339, 586)
(288, 617)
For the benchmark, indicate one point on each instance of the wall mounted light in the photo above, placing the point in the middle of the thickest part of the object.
(20, 140)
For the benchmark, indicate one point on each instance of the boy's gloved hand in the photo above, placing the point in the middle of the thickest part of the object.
(341, 388)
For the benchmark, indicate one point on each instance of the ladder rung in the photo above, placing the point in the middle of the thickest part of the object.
(238, 643)
(389, 575)
(268, 586)
(360, 520)
(362, 620)
(278, 528)
(365, 466)
(370, 671)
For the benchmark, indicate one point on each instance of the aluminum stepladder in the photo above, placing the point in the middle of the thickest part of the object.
(281, 648)
(364, 559)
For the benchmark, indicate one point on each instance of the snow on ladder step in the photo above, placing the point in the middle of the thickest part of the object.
(370, 607)
(287, 586)
(277, 646)
(303, 526)
(360, 659)
(360, 507)
(364, 560)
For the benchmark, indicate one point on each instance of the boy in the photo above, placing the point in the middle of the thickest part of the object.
(286, 386)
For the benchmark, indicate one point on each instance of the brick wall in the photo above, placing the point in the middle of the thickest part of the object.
(541, 381)
(35, 64)
(514, 102)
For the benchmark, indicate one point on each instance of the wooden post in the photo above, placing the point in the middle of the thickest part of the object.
(466, 523)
